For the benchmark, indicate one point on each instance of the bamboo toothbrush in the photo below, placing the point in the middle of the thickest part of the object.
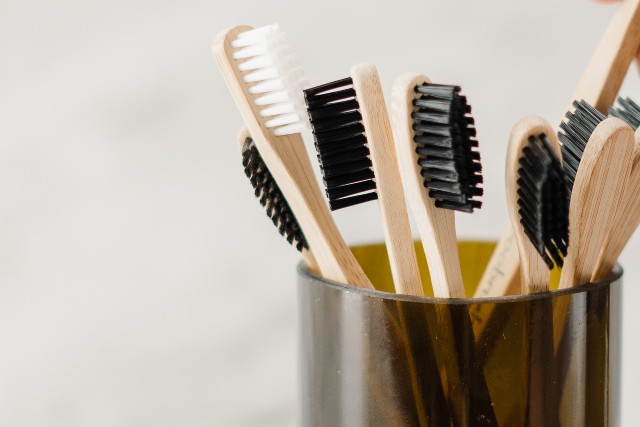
(435, 145)
(268, 192)
(537, 200)
(628, 217)
(440, 170)
(538, 204)
(597, 187)
(265, 80)
(601, 81)
(356, 151)
(596, 153)
(604, 148)
(598, 86)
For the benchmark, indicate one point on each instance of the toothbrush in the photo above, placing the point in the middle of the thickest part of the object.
(597, 186)
(519, 269)
(604, 148)
(598, 86)
(538, 201)
(538, 204)
(435, 144)
(268, 192)
(601, 81)
(628, 217)
(265, 80)
(355, 148)
(440, 170)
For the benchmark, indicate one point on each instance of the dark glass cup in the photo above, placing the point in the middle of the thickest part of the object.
(374, 358)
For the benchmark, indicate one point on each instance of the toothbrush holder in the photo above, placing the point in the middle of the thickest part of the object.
(375, 358)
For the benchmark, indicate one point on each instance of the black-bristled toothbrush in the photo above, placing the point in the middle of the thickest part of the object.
(537, 200)
(538, 204)
(270, 196)
(437, 150)
(597, 155)
(355, 148)
(441, 171)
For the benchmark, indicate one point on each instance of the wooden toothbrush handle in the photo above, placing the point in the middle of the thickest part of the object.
(601, 81)
(335, 259)
(393, 206)
(441, 250)
(596, 197)
(502, 274)
(627, 219)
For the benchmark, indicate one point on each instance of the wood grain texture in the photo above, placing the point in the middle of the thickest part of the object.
(502, 274)
(393, 206)
(500, 277)
(307, 255)
(596, 198)
(601, 81)
(289, 164)
(533, 271)
(627, 219)
(436, 226)
(597, 193)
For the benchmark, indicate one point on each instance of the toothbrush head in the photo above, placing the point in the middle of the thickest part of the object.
(446, 144)
(270, 196)
(267, 61)
(574, 134)
(543, 200)
(627, 110)
(341, 143)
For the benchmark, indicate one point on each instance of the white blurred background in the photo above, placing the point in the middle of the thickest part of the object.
(140, 282)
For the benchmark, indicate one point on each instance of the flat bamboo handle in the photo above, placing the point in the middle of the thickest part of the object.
(289, 164)
(436, 226)
(601, 81)
(596, 198)
(393, 206)
(501, 276)
(600, 183)
(627, 219)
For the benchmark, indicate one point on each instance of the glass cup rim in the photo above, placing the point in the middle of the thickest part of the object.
(309, 275)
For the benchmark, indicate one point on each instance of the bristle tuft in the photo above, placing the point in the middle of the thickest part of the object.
(627, 110)
(341, 144)
(270, 196)
(446, 145)
(574, 134)
(270, 66)
(543, 200)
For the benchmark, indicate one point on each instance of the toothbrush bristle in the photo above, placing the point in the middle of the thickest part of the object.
(627, 110)
(271, 198)
(268, 63)
(543, 200)
(341, 144)
(446, 144)
(574, 134)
